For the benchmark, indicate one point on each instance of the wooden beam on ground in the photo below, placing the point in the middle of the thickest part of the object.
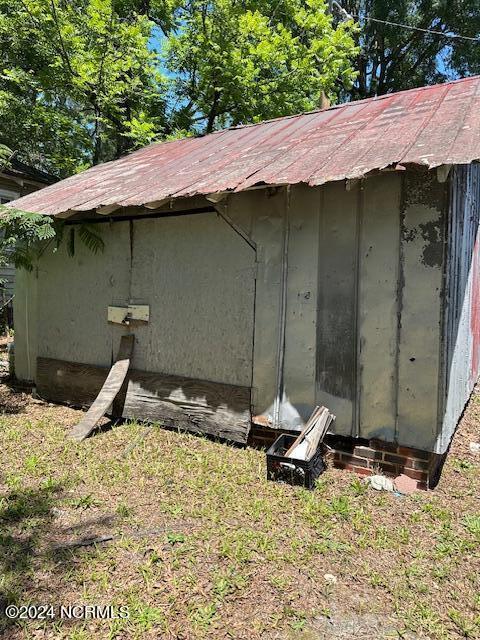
(111, 387)
(201, 406)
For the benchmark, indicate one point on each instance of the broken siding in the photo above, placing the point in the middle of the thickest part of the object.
(462, 299)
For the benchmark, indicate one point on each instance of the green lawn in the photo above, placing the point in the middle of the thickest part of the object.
(205, 547)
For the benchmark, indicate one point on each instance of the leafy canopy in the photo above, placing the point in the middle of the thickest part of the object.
(244, 62)
(78, 82)
(393, 58)
(81, 82)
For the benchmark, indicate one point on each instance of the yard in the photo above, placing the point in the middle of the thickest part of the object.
(204, 547)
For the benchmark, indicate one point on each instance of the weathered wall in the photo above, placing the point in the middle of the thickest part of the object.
(461, 351)
(420, 299)
(25, 313)
(261, 215)
(198, 276)
(195, 273)
(362, 301)
(379, 306)
(74, 293)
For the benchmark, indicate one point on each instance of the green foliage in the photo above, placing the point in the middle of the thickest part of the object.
(91, 238)
(76, 82)
(20, 235)
(25, 236)
(81, 82)
(237, 63)
(393, 58)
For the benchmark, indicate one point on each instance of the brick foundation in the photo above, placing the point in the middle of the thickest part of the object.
(367, 457)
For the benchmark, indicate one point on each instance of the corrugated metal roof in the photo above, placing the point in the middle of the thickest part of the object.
(430, 126)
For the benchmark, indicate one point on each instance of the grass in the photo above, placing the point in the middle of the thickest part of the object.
(224, 553)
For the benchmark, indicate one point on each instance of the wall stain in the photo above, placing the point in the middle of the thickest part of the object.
(423, 188)
(432, 255)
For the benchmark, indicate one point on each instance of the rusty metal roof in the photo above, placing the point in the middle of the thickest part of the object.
(430, 126)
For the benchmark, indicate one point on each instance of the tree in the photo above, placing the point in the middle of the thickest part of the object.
(393, 58)
(78, 85)
(81, 83)
(235, 62)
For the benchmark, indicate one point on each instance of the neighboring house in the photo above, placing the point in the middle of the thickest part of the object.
(326, 258)
(16, 180)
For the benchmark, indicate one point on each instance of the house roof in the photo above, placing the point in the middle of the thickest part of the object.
(18, 169)
(430, 126)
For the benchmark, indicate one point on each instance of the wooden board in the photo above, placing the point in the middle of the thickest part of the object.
(69, 382)
(194, 405)
(108, 392)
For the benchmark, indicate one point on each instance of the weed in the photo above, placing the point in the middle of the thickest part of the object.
(461, 465)
(175, 538)
(84, 502)
(124, 511)
(467, 628)
(145, 617)
(341, 506)
(203, 616)
(472, 524)
(358, 487)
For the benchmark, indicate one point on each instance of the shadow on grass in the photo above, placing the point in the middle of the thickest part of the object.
(13, 399)
(25, 518)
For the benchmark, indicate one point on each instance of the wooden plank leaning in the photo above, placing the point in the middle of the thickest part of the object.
(110, 389)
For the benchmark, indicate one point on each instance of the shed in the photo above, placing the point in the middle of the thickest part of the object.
(325, 258)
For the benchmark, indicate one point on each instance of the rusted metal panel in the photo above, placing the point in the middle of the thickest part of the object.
(461, 347)
(430, 126)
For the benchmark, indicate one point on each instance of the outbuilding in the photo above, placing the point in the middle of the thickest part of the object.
(325, 258)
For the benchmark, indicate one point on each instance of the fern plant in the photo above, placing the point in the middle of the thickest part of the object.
(25, 236)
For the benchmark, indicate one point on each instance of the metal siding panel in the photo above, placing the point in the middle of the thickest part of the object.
(336, 335)
(422, 245)
(462, 299)
(264, 215)
(197, 275)
(377, 326)
(300, 338)
(25, 315)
